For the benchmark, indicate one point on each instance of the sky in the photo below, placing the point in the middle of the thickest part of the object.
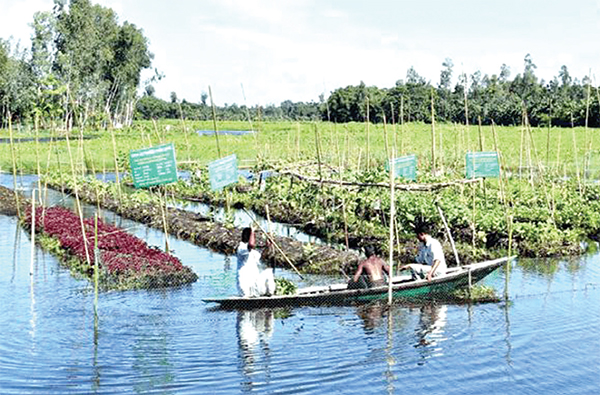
(267, 51)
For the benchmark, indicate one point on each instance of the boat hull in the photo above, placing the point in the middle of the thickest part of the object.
(338, 294)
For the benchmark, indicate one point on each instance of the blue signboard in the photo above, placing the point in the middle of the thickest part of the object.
(153, 166)
(404, 166)
(223, 172)
(482, 164)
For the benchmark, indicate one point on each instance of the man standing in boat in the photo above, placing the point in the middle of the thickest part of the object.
(373, 267)
(430, 259)
(251, 280)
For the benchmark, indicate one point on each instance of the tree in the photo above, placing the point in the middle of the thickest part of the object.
(446, 75)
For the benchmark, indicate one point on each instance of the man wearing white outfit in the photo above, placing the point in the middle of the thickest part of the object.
(430, 259)
(251, 280)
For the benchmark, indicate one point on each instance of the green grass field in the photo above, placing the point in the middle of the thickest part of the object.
(556, 150)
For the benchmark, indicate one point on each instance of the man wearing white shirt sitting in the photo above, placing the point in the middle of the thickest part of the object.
(430, 259)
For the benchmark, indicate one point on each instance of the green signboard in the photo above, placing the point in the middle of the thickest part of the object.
(482, 164)
(404, 166)
(153, 166)
(223, 172)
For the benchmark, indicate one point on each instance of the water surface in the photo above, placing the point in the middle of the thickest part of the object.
(545, 340)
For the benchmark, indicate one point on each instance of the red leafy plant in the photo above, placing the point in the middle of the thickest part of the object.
(125, 261)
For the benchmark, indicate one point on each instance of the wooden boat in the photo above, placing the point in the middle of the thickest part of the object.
(403, 287)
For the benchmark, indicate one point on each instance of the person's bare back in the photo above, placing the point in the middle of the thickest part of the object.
(373, 267)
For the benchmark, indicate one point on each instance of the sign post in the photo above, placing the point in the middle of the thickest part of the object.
(153, 166)
(223, 172)
(404, 166)
(482, 164)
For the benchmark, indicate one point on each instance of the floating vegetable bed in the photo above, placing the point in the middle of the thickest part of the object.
(124, 261)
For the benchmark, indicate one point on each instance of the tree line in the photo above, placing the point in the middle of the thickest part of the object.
(83, 67)
(563, 101)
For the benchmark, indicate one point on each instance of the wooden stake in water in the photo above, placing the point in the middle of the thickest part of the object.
(96, 263)
(32, 232)
(392, 212)
(14, 164)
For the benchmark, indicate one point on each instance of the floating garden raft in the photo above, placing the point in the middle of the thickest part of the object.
(124, 261)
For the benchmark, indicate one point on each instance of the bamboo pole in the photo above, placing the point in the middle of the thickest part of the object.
(77, 201)
(433, 164)
(96, 263)
(394, 127)
(317, 146)
(164, 211)
(587, 115)
(214, 114)
(402, 125)
(185, 134)
(32, 232)
(575, 153)
(272, 240)
(558, 152)
(14, 164)
(449, 234)
(391, 244)
(521, 147)
(401, 187)
(37, 156)
(115, 155)
(480, 133)
(344, 216)
(368, 161)
(466, 102)
(385, 137)
(548, 140)
(298, 141)
(500, 166)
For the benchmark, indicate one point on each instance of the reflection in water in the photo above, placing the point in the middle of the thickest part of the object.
(372, 315)
(254, 330)
(507, 335)
(430, 332)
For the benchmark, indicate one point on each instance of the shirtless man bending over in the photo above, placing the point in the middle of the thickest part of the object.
(373, 267)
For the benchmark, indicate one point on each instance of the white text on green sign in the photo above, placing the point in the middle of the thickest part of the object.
(482, 164)
(223, 172)
(153, 166)
(405, 166)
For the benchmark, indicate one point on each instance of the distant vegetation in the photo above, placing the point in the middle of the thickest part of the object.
(563, 101)
(83, 68)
